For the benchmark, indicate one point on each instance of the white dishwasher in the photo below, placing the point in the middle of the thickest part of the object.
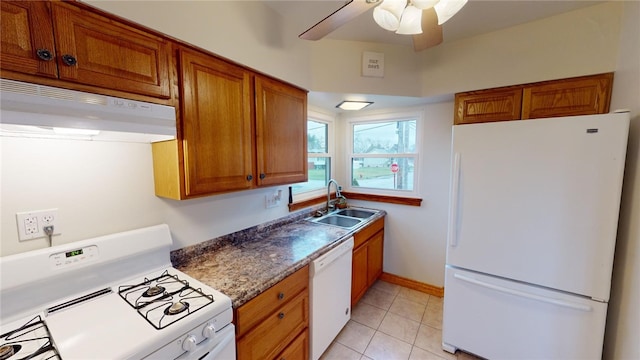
(330, 296)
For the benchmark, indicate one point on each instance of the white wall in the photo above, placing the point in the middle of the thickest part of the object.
(105, 187)
(623, 321)
(576, 43)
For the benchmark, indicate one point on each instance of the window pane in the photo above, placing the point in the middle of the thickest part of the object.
(316, 137)
(319, 175)
(394, 137)
(378, 173)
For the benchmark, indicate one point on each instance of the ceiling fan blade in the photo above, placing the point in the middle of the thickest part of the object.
(343, 15)
(431, 31)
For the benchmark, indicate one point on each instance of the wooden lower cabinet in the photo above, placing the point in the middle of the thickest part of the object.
(359, 281)
(275, 324)
(298, 349)
(368, 252)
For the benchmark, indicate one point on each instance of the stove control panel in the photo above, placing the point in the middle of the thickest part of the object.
(74, 257)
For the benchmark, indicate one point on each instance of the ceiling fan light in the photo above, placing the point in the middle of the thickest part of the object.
(424, 4)
(411, 21)
(447, 8)
(385, 19)
(394, 6)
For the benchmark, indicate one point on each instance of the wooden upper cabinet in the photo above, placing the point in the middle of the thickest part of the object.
(488, 105)
(98, 51)
(28, 45)
(281, 133)
(63, 41)
(586, 95)
(216, 125)
(238, 130)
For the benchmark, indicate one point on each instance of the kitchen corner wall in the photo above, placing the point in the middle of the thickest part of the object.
(415, 237)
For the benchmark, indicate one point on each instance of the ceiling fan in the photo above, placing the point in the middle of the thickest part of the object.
(422, 19)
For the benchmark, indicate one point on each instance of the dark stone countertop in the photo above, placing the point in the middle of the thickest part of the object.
(244, 264)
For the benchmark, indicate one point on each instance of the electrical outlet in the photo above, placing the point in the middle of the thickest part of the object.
(31, 223)
(272, 200)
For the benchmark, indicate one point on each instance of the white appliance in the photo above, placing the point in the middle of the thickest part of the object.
(35, 110)
(330, 293)
(111, 297)
(532, 228)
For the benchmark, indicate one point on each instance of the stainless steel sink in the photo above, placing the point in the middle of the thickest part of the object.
(342, 221)
(360, 214)
(345, 218)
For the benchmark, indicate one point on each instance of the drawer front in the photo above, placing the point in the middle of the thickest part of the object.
(276, 331)
(253, 312)
(298, 349)
(363, 235)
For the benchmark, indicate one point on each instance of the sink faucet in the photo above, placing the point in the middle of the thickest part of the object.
(338, 195)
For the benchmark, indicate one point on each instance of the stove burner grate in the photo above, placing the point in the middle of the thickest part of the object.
(7, 351)
(34, 331)
(168, 305)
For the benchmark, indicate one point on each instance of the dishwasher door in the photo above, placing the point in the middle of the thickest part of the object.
(330, 294)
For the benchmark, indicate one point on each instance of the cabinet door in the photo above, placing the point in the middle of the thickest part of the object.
(586, 95)
(297, 350)
(109, 54)
(277, 331)
(359, 273)
(26, 31)
(281, 133)
(488, 105)
(374, 257)
(216, 125)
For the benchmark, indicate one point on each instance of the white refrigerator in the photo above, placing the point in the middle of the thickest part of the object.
(532, 228)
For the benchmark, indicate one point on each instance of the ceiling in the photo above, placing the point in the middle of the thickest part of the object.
(476, 17)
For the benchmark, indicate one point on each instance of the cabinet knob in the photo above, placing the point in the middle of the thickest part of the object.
(262, 176)
(281, 296)
(69, 60)
(44, 54)
(249, 177)
(281, 316)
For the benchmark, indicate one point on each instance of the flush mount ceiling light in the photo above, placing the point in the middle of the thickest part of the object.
(405, 17)
(353, 105)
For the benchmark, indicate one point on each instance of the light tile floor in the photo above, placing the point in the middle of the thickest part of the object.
(392, 322)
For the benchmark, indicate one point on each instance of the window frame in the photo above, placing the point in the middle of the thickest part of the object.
(384, 118)
(329, 120)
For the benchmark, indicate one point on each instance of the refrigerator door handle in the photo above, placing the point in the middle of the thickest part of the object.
(523, 294)
(453, 201)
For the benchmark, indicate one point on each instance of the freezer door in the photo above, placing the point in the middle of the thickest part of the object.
(537, 200)
(499, 319)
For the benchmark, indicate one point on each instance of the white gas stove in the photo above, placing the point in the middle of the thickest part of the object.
(111, 297)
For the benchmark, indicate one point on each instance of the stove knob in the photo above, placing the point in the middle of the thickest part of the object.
(209, 331)
(189, 343)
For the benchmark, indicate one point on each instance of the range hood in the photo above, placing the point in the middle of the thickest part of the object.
(36, 111)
